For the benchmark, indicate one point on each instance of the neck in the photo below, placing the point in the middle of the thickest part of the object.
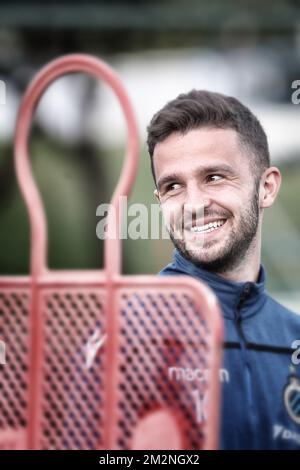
(243, 273)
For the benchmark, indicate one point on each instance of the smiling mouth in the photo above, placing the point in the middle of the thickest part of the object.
(207, 228)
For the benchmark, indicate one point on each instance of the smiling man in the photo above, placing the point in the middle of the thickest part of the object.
(211, 166)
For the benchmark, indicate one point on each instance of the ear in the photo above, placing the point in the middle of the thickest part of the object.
(156, 194)
(269, 186)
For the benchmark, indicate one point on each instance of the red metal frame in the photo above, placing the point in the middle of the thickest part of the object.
(108, 281)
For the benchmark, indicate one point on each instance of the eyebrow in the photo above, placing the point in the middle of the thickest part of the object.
(223, 168)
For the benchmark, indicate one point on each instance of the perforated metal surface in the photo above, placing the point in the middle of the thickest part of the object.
(164, 342)
(161, 360)
(73, 369)
(14, 373)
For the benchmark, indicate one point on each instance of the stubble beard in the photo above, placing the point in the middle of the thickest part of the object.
(238, 241)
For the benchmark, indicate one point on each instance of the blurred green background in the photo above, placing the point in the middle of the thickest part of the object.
(250, 49)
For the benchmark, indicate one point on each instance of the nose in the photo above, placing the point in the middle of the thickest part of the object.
(196, 201)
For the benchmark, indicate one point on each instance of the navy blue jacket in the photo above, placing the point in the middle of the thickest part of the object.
(261, 371)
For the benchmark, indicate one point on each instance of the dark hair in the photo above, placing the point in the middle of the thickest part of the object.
(200, 108)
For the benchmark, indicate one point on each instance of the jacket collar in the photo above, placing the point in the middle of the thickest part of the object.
(248, 297)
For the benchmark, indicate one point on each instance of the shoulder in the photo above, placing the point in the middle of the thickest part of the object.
(284, 312)
(281, 321)
(170, 270)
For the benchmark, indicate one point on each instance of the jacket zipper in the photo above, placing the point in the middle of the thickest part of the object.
(244, 353)
(243, 343)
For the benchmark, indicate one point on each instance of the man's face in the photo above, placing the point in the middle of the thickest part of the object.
(206, 177)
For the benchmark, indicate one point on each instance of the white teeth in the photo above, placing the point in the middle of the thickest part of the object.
(208, 227)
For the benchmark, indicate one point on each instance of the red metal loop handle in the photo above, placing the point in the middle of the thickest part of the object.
(65, 65)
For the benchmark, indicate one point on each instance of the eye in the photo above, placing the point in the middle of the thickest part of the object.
(214, 177)
(173, 187)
